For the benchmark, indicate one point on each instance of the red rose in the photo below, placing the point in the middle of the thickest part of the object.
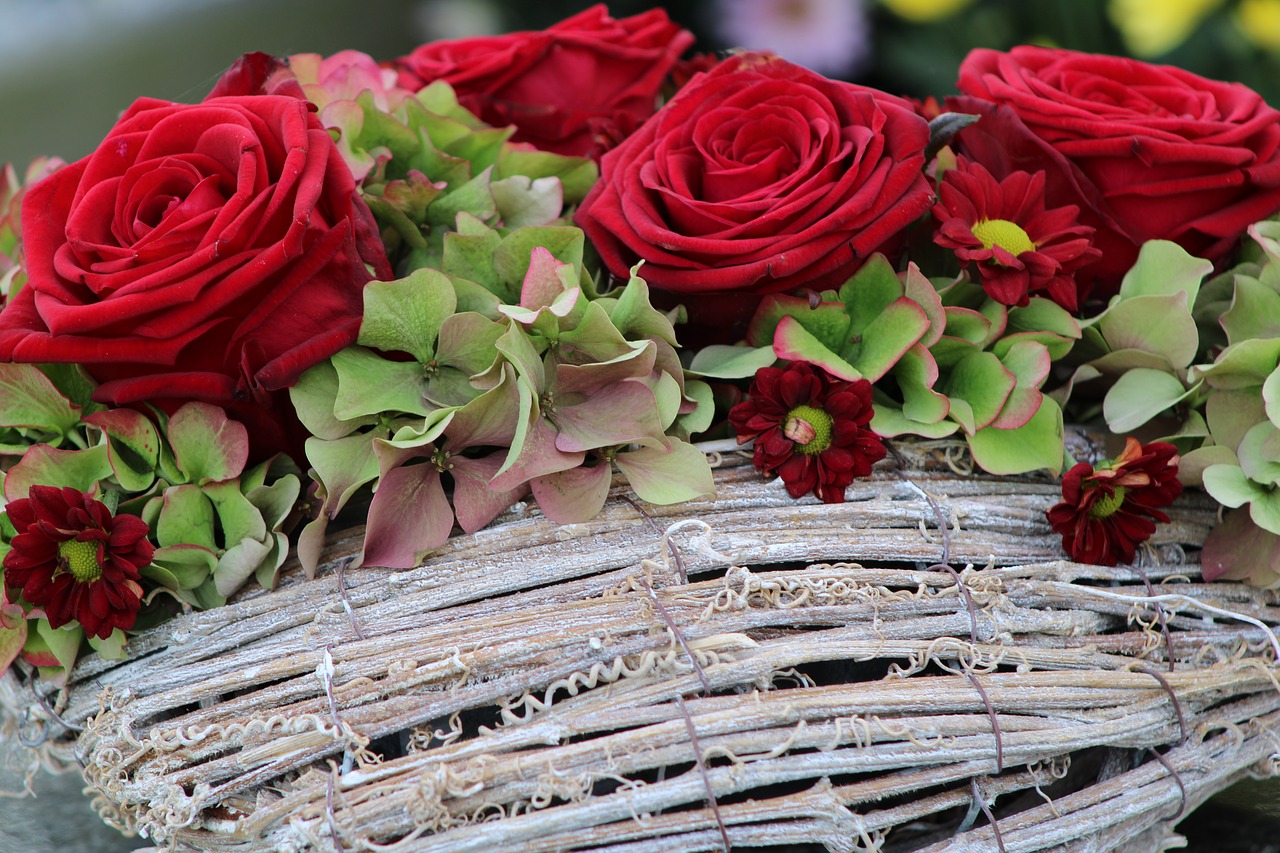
(759, 176)
(576, 88)
(210, 252)
(1145, 151)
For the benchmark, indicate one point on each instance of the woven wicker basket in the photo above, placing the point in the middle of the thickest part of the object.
(672, 678)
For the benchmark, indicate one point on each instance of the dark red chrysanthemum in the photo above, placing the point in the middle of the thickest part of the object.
(810, 429)
(1106, 513)
(1019, 247)
(74, 559)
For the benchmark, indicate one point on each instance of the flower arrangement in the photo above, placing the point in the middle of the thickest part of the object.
(417, 291)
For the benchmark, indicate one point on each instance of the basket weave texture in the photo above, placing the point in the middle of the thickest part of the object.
(892, 673)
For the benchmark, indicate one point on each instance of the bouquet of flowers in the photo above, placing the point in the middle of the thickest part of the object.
(412, 294)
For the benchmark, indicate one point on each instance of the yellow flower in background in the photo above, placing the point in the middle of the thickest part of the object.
(923, 11)
(1155, 27)
(1259, 21)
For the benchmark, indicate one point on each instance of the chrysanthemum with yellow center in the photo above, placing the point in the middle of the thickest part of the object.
(1108, 506)
(989, 222)
(81, 559)
(809, 428)
(1005, 234)
(94, 577)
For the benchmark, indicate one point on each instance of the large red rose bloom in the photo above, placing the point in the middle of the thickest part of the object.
(206, 252)
(74, 559)
(576, 88)
(759, 176)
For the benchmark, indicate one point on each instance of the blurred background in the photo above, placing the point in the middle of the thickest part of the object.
(69, 67)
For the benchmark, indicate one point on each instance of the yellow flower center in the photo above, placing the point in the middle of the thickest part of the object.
(1005, 234)
(809, 428)
(1108, 506)
(81, 559)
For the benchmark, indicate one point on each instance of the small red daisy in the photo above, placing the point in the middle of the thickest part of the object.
(1106, 513)
(810, 429)
(1002, 227)
(74, 559)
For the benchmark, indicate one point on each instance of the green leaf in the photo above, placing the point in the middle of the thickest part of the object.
(873, 288)
(29, 400)
(917, 373)
(112, 648)
(792, 341)
(405, 315)
(890, 422)
(577, 174)
(663, 476)
(967, 325)
(701, 418)
(207, 445)
(1157, 324)
(133, 446)
(512, 256)
(1259, 454)
(1271, 396)
(720, 361)
(181, 567)
(481, 147)
(186, 518)
(370, 385)
(341, 467)
(1265, 511)
(474, 197)
(74, 384)
(827, 321)
(983, 382)
(1036, 445)
(634, 315)
(1229, 486)
(470, 256)
(239, 562)
(962, 413)
(1231, 414)
(1043, 321)
(1164, 268)
(238, 518)
(522, 200)
(63, 643)
(275, 501)
(314, 397)
(1029, 362)
(1254, 311)
(1138, 396)
(1242, 365)
(268, 573)
(897, 327)
(917, 287)
(1191, 465)
(47, 466)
